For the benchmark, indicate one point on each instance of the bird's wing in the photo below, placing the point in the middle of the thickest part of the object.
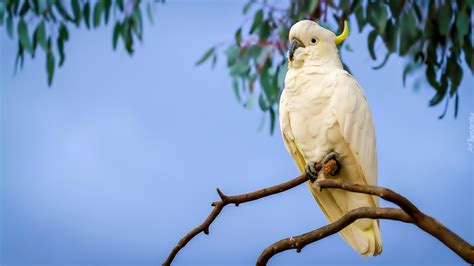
(352, 112)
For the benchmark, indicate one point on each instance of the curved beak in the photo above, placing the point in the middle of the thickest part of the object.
(295, 44)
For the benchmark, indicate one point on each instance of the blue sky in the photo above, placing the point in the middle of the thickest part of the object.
(122, 155)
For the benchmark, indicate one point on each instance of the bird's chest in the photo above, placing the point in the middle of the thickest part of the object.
(309, 111)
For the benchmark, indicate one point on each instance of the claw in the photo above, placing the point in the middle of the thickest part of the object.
(312, 170)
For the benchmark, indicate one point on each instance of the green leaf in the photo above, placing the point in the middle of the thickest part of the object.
(444, 17)
(62, 11)
(24, 36)
(238, 36)
(283, 32)
(377, 16)
(281, 74)
(127, 35)
(456, 105)
(257, 21)
(63, 36)
(455, 72)
(361, 21)
(468, 53)
(206, 56)
(214, 60)
(235, 86)
(418, 12)
(264, 54)
(40, 35)
(264, 31)
(431, 75)
(87, 14)
(441, 90)
(19, 56)
(265, 82)
(138, 22)
(232, 52)
(409, 32)
(311, 6)
(107, 7)
(462, 25)
(149, 12)
(262, 103)
(116, 34)
(98, 9)
(9, 25)
(396, 7)
(24, 8)
(250, 102)
(247, 7)
(390, 36)
(76, 10)
(272, 121)
(408, 69)
(385, 60)
(50, 67)
(119, 4)
(371, 42)
(2, 13)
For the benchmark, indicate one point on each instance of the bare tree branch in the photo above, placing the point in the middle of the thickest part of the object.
(237, 199)
(408, 213)
(299, 242)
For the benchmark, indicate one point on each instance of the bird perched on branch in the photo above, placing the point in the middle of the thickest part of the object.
(324, 115)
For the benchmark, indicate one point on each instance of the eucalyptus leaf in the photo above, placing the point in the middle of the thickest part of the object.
(257, 21)
(149, 12)
(262, 103)
(40, 35)
(361, 20)
(86, 12)
(206, 55)
(272, 121)
(409, 32)
(24, 36)
(76, 9)
(377, 16)
(98, 10)
(50, 67)
(371, 42)
(396, 7)
(444, 24)
(117, 32)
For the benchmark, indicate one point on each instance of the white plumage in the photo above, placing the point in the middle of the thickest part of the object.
(323, 109)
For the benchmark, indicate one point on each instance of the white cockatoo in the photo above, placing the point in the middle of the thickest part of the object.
(325, 115)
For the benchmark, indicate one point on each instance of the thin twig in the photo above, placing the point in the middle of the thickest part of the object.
(237, 199)
(299, 242)
(409, 213)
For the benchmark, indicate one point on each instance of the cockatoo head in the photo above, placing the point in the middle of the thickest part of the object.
(308, 40)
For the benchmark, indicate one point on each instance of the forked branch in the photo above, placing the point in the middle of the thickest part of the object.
(408, 213)
(299, 242)
(238, 199)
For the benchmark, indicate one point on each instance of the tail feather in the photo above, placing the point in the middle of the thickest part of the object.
(366, 239)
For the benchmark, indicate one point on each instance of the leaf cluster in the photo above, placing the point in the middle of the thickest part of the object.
(434, 35)
(45, 24)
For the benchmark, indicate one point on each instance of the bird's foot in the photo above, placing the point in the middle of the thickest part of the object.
(312, 170)
(331, 164)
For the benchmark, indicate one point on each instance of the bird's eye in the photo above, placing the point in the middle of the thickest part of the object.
(313, 40)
